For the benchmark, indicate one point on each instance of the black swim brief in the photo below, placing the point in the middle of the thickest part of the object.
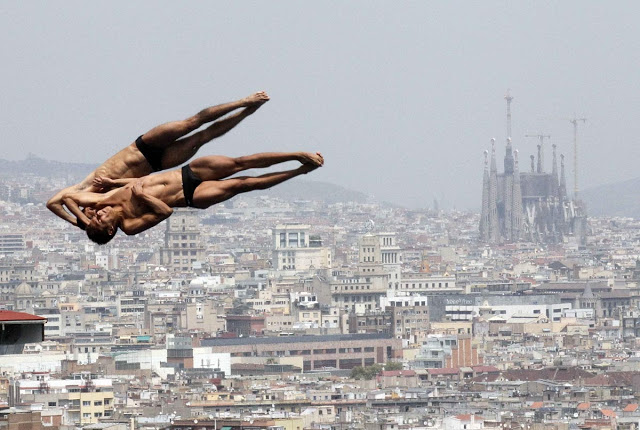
(153, 155)
(189, 184)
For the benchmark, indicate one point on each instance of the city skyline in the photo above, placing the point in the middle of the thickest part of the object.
(310, 305)
(455, 264)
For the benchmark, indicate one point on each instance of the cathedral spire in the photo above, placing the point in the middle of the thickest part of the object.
(494, 232)
(494, 167)
(508, 97)
(507, 183)
(508, 158)
(540, 167)
(563, 180)
(484, 216)
(554, 171)
(516, 213)
(533, 169)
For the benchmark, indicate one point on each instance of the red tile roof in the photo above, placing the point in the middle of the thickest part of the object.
(612, 379)
(595, 424)
(550, 373)
(631, 407)
(536, 405)
(444, 371)
(584, 406)
(608, 413)
(485, 369)
(467, 417)
(19, 316)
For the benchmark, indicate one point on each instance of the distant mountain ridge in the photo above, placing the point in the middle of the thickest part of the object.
(616, 199)
(36, 165)
(301, 189)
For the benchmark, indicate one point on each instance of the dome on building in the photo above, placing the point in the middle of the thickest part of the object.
(24, 290)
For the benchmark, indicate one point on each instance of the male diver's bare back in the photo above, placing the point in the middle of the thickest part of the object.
(127, 163)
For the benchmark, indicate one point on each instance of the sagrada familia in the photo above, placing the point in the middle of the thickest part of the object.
(528, 206)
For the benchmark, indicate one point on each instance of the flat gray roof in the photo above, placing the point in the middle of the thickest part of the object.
(216, 341)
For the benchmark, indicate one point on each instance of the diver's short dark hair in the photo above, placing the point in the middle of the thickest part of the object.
(99, 236)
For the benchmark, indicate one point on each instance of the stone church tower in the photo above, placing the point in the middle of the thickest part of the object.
(531, 206)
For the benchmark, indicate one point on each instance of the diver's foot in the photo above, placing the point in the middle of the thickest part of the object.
(256, 99)
(314, 159)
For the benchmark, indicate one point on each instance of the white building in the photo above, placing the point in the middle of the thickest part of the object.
(420, 283)
(295, 249)
(380, 249)
(552, 312)
(102, 260)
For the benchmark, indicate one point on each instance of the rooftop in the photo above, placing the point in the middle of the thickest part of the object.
(11, 316)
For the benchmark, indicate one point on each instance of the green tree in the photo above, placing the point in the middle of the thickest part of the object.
(393, 365)
(357, 372)
(367, 373)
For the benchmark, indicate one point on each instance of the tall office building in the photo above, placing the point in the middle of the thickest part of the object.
(183, 242)
(295, 249)
(10, 243)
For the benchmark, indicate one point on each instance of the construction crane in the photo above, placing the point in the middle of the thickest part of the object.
(575, 121)
(542, 137)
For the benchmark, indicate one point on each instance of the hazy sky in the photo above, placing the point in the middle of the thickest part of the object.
(401, 97)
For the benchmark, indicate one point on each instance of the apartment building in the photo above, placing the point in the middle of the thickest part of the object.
(183, 241)
(359, 292)
(344, 351)
(11, 243)
(85, 398)
(295, 249)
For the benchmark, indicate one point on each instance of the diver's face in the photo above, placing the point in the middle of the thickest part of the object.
(106, 215)
(104, 219)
